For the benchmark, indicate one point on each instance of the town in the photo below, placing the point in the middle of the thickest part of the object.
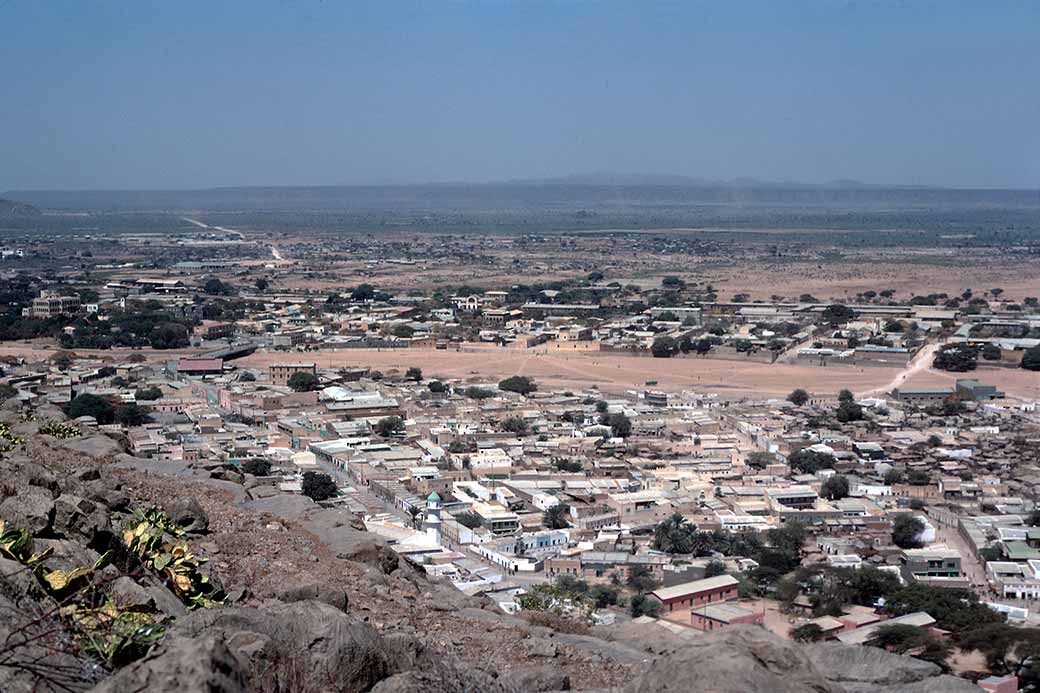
(879, 492)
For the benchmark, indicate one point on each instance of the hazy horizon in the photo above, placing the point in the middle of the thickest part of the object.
(156, 96)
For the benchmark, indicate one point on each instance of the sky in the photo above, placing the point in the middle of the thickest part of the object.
(153, 94)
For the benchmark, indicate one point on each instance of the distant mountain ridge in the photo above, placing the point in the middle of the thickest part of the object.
(12, 208)
(578, 191)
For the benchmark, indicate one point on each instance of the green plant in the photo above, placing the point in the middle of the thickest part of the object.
(8, 440)
(115, 635)
(60, 430)
(173, 561)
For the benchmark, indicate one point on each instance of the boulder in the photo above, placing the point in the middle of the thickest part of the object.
(179, 665)
(738, 658)
(304, 647)
(17, 581)
(189, 515)
(74, 515)
(870, 665)
(538, 678)
(316, 591)
(95, 446)
(31, 509)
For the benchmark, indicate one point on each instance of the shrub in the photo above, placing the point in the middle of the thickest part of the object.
(318, 486)
(257, 466)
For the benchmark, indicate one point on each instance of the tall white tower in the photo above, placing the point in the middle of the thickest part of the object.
(432, 522)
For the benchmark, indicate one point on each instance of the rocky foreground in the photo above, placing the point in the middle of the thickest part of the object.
(135, 575)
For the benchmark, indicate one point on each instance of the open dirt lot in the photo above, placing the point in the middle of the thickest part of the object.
(609, 373)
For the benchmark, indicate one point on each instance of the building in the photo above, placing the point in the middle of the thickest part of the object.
(931, 562)
(714, 616)
(687, 595)
(432, 522)
(969, 388)
(496, 519)
(279, 373)
(51, 304)
(922, 396)
(214, 329)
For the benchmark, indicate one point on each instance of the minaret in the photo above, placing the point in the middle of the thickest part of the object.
(432, 522)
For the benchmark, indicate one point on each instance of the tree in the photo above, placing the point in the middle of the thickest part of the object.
(7, 392)
(675, 535)
(957, 358)
(918, 477)
(518, 383)
(257, 466)
(303, 381)
(363, 292)
(807, 632)
(620, 425)
(131, 414)
(846, 396)
(671, 281)
(1031, 359)
(414, 374)
(810, 461)
(148, 394)
(91, 405)
(893, 476)
(478, 393)
(262, 284)
(247, 377)
(468, 519)
(990, 352)
(703, 345)
(437, 387)
(901, 638)
(1008, 650)
(956, 610)
(457, 447)
(168, 335)
(641, 605)
(556, 516)
(835, 487)
(760, 460)
(601, 406)
(798, 397)
(837, 314)
(389, 426)
(848, 412)
(714, 568)
(906, 530)
(136, 358)
(603, 596)
(640, 579)
(318, 486)
(403, 331)
(515, 424)
(664, 347)
(215, 287)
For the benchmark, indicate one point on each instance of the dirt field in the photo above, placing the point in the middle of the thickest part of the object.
(609, 373)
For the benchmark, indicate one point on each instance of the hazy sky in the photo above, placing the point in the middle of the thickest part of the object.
(184, 94)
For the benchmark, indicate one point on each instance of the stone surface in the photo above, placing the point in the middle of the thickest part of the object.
(738, 658)
(189, 515)
(323, 593)
(872, 665)
(181, 665)
(31, 509)
(304, 647)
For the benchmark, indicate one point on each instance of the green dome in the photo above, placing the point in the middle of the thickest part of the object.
(433, 497)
